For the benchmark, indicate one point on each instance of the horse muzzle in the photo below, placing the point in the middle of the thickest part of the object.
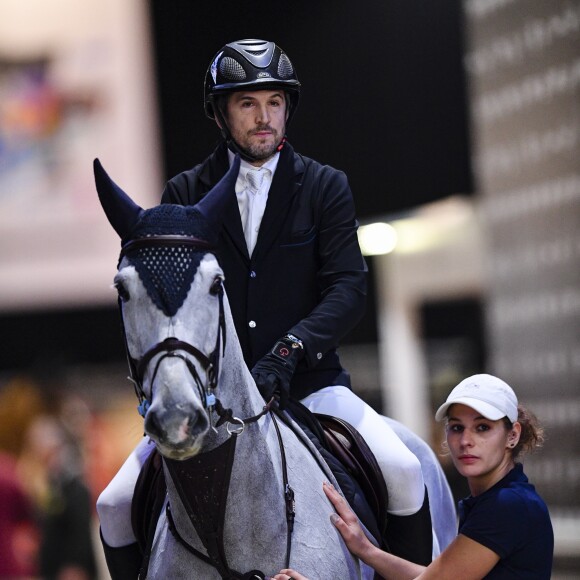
(178, 432)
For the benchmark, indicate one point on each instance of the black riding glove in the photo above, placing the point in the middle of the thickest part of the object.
(274, 371)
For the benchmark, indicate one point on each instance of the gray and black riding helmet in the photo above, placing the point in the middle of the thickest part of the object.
(250, 64)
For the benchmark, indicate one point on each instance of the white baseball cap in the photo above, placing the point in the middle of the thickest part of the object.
(486, 394)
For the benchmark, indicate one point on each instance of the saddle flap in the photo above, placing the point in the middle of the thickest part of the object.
(347, 445)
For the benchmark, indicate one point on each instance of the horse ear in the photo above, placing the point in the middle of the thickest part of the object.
(121, 211)
(213, 204)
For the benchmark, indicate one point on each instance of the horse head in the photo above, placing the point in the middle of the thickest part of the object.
(170, 288)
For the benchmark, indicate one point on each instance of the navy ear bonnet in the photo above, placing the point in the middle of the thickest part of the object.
(176, 220)
(168, 271)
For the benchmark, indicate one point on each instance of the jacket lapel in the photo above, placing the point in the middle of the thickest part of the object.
(232, 223)
(287, 180)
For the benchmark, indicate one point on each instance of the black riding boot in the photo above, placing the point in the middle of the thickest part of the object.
(411, 537)
(124, 563)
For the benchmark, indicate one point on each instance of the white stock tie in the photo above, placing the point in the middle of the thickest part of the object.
(254, 178)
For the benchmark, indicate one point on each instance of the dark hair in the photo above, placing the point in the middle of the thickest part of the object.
(532, 435)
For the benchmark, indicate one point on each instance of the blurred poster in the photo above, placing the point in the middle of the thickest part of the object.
(75, 84)
(524, 77)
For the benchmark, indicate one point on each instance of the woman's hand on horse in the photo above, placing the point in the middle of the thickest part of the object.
(289, 574)
(347, 523)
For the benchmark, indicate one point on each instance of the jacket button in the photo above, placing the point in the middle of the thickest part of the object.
(252, 324)
(252, 274)
(318, 355)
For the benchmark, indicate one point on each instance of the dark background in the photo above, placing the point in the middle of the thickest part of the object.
(383, 88)
(383, 99)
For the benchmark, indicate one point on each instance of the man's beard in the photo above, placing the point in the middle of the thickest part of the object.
(260, 151)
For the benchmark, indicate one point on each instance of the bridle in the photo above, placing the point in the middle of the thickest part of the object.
(171, 347)
(175, 348)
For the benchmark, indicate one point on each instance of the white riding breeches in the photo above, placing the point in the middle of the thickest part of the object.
(400, 468)
(114, 503)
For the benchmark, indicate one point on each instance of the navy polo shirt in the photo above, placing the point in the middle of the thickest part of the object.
(511, 519)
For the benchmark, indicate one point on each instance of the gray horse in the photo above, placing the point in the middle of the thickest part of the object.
(244, 489)
(238, 479)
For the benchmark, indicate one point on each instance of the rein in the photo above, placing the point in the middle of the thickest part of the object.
(173, 347)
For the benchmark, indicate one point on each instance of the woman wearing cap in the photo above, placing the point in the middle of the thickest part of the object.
(504, 525)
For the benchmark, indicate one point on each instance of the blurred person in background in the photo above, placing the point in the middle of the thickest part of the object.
(51, 465)
(18, 531)
(20, 403)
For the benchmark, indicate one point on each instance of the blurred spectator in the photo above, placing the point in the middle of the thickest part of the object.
(20, 403)
(18, 532)
(51, 466)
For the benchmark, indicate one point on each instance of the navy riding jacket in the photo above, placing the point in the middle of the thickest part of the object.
(306, 275)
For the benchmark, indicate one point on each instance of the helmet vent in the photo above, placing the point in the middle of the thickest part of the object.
(257, 52)
(231, 69)
(285, 68)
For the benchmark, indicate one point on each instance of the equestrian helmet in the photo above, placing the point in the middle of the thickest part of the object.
(250, 64)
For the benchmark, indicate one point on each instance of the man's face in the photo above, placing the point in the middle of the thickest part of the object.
(257, 121)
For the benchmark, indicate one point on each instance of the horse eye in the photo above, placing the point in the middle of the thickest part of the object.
(122, 291)
(216, 286)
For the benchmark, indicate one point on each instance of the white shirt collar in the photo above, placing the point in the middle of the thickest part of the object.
(270, 165)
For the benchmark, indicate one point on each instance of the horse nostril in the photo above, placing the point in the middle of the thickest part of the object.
(152, 425)
(198, 423)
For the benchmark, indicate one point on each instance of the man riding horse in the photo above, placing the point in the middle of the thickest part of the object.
(294, 272)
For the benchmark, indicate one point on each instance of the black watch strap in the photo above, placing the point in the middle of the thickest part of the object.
(286, 347)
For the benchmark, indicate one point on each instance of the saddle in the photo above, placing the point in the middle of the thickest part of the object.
(342, 447)
(348, 446)
(352, 463)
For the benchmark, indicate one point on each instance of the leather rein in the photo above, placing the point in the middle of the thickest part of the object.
(173, 347)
